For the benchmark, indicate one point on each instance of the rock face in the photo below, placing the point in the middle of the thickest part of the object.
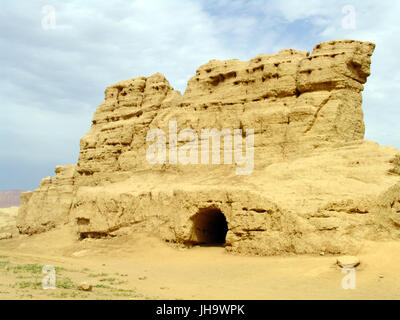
(48, 205)
(314, 186)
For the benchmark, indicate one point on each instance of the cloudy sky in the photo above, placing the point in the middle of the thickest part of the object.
(54, 71)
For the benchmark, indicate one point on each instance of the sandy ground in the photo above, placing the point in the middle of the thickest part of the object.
(143, 267)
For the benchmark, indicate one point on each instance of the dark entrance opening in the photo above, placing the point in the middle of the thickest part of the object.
(209, 227)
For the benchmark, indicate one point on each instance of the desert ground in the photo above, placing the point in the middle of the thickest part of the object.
(141, 266)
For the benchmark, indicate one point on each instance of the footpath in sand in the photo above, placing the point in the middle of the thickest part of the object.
(143, 267)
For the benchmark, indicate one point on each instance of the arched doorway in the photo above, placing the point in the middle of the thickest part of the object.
(209, 227)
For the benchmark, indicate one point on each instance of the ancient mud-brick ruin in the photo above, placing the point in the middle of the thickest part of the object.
(317, 185)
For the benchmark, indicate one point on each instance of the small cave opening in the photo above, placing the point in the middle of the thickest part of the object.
(209, 227)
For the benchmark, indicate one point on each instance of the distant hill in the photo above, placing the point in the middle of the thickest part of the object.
(10, 198)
